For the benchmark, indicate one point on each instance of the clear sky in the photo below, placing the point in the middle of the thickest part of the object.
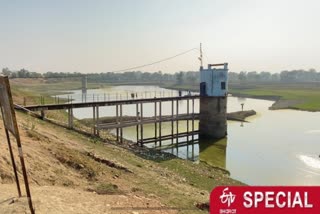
(106, 35)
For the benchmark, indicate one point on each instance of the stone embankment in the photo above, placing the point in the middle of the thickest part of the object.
(240, 115)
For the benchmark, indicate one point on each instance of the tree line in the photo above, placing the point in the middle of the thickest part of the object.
(310, 75)
(182, 77)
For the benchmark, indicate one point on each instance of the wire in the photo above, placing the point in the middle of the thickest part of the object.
(136, 67)
(162, 60)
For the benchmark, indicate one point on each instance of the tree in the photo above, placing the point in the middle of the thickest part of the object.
(179, 78)
(252, 76)
(233, 77)
(160, 75)
(23, 73)
(265, 76)
(243, 76)
(6, 72)
(275, 77)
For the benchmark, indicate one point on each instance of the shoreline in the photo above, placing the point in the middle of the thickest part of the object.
(279, 104)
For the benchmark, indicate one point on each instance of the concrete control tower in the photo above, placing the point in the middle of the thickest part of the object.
(213, 101)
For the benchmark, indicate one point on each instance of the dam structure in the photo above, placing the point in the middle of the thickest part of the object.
(213, 101)
(212, 114)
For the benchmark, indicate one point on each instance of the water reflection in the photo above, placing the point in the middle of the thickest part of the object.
(313, 132)
(212, 151)
(188, 150)
(241, 99)
(312, 162)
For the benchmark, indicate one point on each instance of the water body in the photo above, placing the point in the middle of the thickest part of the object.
(279, 147)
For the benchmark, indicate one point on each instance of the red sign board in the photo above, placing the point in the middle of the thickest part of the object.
(265, 199)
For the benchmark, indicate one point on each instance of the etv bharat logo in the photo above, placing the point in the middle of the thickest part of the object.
(227, 197)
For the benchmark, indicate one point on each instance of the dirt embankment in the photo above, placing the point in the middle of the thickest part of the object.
(278, 102)
(57, 199)
(285, 104)
(240, 115)
(262, 97)
(64, 178)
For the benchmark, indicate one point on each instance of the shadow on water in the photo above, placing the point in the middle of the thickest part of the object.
(154, 154)
(213, 151)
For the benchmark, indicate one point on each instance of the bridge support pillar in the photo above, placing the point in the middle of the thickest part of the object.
(213, 117)
(70, 118)
(43, 115)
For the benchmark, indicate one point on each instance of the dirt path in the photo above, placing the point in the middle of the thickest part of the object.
(54, 199)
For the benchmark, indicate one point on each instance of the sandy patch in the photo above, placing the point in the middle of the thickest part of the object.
(51, 199)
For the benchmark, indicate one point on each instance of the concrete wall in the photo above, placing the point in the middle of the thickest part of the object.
(214, 78)
(213, 117)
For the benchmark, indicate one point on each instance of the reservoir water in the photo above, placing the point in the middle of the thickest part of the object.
(278, 147)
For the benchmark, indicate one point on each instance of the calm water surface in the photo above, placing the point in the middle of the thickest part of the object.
(275, 148)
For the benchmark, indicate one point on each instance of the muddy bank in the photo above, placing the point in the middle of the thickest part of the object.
(240, 115)
(277, 105)
(286, 104)
(261, 97)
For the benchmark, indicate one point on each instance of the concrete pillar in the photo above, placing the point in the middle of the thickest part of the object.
(70, 118)
(43, 115)
(213, 117)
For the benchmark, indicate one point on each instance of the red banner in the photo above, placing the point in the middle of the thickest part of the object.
(265, 199)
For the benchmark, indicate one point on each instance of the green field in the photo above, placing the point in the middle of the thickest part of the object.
(301, 96)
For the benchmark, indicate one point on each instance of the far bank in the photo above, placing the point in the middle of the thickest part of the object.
(296, 96)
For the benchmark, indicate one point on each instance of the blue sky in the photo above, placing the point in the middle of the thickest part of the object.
(107, 35)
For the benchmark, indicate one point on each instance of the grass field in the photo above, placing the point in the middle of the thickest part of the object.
(301, 96)
(293, 96)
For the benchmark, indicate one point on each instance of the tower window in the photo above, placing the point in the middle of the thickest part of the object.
(203, 90)
(223, 85)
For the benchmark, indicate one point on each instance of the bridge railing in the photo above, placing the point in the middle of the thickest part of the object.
(97, 97)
